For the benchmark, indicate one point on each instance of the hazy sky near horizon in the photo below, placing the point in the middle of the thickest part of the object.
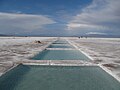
(60, 17)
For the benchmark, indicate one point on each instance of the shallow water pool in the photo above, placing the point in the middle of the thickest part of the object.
(60, 42)
(60, 55)
(60, 46)
(57, 78)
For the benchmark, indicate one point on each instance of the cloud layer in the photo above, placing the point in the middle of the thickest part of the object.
(23, 22)
(99, 15)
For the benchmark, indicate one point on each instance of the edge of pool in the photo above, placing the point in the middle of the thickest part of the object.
(42, 49)
(100, 65)
(16, 63)
(9, 69)
(109, 72)
(73, 44)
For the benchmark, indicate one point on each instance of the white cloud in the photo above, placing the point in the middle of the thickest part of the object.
(98, 33)
(100, 14)
(26, 22)
(72, 26)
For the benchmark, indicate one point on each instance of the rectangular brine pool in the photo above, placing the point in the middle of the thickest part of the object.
(28, 77)
(60, 55)
(60, 42)
(60, 46)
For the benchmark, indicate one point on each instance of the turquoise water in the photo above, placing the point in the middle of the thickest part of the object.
(60, 46)
(60, 42)
(60, 55)
(57, 78)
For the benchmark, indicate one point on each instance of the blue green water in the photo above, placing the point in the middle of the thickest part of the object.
(60, 55)
(57, 78)
(60, 42)
(60, 46)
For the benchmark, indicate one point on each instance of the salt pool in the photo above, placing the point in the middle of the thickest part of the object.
(60, 46)
(60, 42)
(28, 77)
(60, 55)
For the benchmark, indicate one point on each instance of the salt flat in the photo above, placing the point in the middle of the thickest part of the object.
(104, 51)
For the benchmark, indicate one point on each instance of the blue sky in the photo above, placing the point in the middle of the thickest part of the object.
(60, 17)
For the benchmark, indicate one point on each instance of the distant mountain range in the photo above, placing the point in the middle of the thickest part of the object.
(91, 35)
(3, 35)
(103, 36)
